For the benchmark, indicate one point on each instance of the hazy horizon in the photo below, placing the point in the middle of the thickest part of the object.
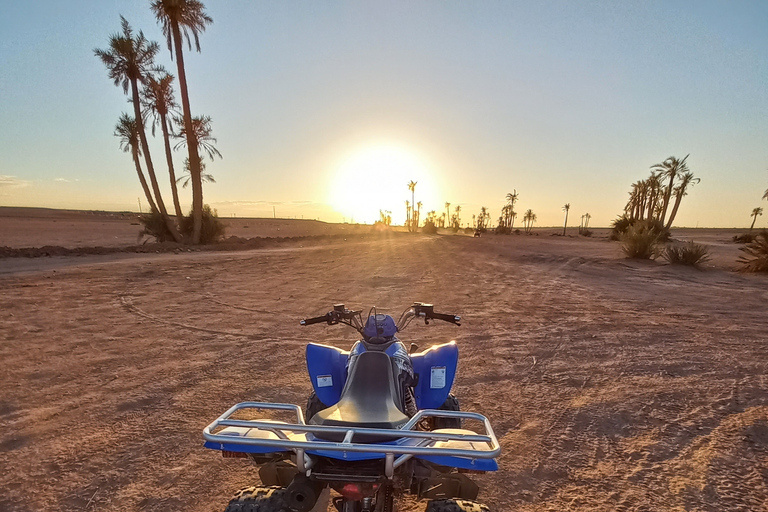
(328, 110)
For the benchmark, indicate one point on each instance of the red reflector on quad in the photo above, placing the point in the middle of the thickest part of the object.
(358, 491)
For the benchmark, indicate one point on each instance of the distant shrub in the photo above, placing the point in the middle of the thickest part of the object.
(212, 229)
(154, 226)
(756, 259)
(517, 231)
(469, 231)
(621, 225)
(746, 238)
(379, 226)
(640, 241)
(585, 232)
(688, 253)
(503, 230)
(429, 228)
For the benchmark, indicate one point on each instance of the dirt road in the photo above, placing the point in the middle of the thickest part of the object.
(612, 385)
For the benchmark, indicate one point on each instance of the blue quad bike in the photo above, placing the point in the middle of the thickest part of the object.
(380, 422)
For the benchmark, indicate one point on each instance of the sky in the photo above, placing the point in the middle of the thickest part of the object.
(327, 109)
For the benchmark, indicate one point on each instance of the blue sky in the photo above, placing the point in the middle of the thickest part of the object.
(561, 101)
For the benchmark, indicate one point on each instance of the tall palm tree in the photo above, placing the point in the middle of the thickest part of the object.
(130, 60)
(565, 209)
(158, 102)
(412, 188)
(587, 216)
(755, 213)
(417, 217)
(128, 131)
(511, 198)
(448, 209)
(189, 17)
(670, 168)
(654, 191)
(458, 216)
(686, 180)
(408, 214)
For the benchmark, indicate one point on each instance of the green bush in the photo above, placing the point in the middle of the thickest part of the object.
(621, 225)
(212, 229)
(429, 228)
(155, 226)
(756, 259)
(687, 253)
(641, 241)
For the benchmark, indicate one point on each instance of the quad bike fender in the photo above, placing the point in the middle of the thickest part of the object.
(435, 369)
(327, 367)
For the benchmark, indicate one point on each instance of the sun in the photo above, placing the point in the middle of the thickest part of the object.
(375, 178)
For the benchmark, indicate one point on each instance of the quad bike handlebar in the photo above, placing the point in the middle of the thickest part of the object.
(353, 318)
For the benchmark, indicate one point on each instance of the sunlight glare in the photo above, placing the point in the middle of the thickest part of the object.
(376, 178)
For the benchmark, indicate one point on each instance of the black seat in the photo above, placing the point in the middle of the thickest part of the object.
(369, 399)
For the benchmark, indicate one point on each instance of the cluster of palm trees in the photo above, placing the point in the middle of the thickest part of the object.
(413, 213)
(651, 198)
(508, 213)
(130, 62)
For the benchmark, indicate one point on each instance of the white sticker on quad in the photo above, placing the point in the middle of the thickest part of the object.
(437, 378)
(324, 381)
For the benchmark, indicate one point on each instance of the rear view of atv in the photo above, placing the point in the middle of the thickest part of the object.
(380, 422)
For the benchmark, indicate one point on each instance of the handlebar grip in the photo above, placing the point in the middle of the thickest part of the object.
(454, 319)
(316, 320)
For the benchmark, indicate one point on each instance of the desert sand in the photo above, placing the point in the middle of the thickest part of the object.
(611, 384)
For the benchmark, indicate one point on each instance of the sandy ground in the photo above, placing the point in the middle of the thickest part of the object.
(611, 384)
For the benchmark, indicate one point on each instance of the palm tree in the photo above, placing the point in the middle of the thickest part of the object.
(205, 141)
(654, 191)
(587, 216)
(417, 216)
(458, 216)
(408, 214)
(755, 213)
(412, 188)
(670, 169)
(159, 102)
(189, 17)
(528, 219)
(128, 131)
(512, 198)
(565, 209)
(448, 209)
(130, 60)
(686, 180)
(187, 177)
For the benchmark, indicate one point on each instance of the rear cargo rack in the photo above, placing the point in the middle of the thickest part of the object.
(451, 447)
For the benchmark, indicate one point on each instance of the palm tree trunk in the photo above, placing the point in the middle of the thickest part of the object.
(754, 219)
(667, 196)
(142, 180)
(171, 172)
(194, 155)
(148, 160)
(678, 199)
(565, 225)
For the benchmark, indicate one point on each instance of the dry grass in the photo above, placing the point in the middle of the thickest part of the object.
(688, 253)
